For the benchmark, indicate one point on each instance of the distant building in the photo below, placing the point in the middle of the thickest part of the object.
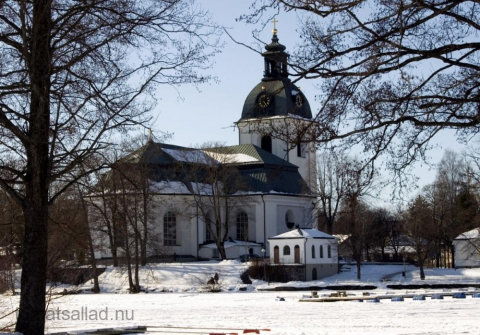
(467, 249)
(311, 248)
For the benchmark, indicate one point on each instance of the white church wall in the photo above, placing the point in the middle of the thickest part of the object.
(185, 230)
(297, 212)
(276, 207)
(249, 133)
(306, 165)
(260, 222)
(279, 149)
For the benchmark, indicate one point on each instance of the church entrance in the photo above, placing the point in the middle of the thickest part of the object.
(297, 254)
(276, 255)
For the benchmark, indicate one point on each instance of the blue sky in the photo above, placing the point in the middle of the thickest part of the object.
(196, 117)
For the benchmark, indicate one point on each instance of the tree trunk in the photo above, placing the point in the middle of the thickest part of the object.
(329, 226)
(221, 251)
(359, 268)
(137, 261)
(422, 273)
(129, 266)
(143, 240)
(31, 317)
(93, 262)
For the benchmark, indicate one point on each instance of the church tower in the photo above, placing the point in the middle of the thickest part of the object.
(276, 112)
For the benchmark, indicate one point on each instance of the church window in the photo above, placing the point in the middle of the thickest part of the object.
(289, 219)
(302, 150)
(208, 223)
(266, 143)
(242, 226)
(321, 251)
(119, 230)
(313, 251)
(169, 229)
(286, 250)
(329, 252)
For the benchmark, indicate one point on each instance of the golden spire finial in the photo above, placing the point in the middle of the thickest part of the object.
(274, 21)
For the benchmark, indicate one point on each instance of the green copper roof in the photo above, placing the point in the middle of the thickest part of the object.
(260, 171)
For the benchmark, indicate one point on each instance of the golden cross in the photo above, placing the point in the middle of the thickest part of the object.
(274, 21)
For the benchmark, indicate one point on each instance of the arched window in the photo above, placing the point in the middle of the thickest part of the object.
(313, 251)
(314, 274)
(242, 226)
(321, 251)
(289, 219)
(329, 252)
(266, 143)
(169, 229)
(286, 250)
(208, 235)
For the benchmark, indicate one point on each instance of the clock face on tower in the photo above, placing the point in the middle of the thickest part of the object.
(264, 100)
(299, 100)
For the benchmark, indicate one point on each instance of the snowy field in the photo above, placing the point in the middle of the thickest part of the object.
(176, 300)
(261, 310)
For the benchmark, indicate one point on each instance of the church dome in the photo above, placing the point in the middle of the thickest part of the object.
(275, 95)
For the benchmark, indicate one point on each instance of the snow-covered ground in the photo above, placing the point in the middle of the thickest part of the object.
(261, 310)
(187, 307)
(192, 277)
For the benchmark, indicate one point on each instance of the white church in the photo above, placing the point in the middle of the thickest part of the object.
(278, 178)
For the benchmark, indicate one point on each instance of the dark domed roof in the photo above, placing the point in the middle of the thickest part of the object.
(275, 95)
(283, 96)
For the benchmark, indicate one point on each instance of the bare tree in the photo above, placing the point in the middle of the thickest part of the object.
(11, 231)
(332, 172)
(453, 203)
(393, 75)
(419, 222)
(120, 208)
(72, 74)
(381, 231)
(216, 185)
(356, 215)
